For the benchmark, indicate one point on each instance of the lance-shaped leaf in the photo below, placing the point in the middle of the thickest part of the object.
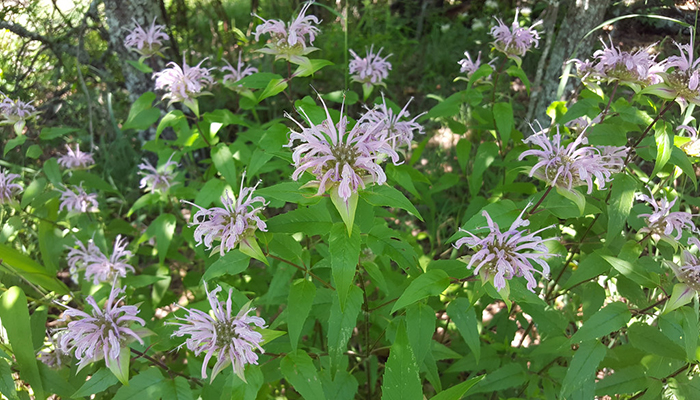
(431, 283)
(345, 254)
(401, 380)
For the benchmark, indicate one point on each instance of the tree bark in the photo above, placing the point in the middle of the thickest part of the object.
(120, 15)
(582, 16)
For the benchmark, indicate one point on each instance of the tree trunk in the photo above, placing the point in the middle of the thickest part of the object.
(120, 15)
(582, 16)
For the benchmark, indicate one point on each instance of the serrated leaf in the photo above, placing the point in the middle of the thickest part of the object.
(583, 366)
(341, 323)
(345, 254)
(650, 339)
(14, 315)
(623, 381)
(606, 320)
(99, 382)
(145, 385)
(387, 196)
(420, 326)
(401, 380)
(384, 240)
(299, 370)
(177, 389)
(505, 377)
(232, 263)
(301, 296)
(258, 80)
(462, 313)
(312, 220)
(431, 283)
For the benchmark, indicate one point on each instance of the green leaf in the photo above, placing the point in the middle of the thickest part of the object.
(313, 220)
(232, 263)
(462, 313)
(384, 240)
(91, 181)
(163, 228)
(145, 385)
(575, 196)
(341, 323)
(583, 366)
(621, 200)
(143, 120)
(53, 382)
(99, 382)
(633, 271)
(140, 66)
(147, 199)
(301, 296)
(34, 151)
(420, 326)
(14, 314)
(623, 381)
(223, 160)
(31, 270)
(32, 191)
(144, 102)
(174, 119)
(650, 339)
(387, 196)
(463, 150)
(519, 73)
(210, 192)
(288, 192)
(505, 377)
(53, 133)
(485, 156)
(312, 67)
(681, 160)
(342, 387)
(663, 135)
(606, 320)
(458, 391)
(53, 173)
(12, 143)
(7, 383)
(345, 254)
(431, 283)
(401, 380)
(503, 114)
(342, 96)
(120, 365)
(273, 88)
(298, 369)
(346, 208)
(258, 80)
(177, 389)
